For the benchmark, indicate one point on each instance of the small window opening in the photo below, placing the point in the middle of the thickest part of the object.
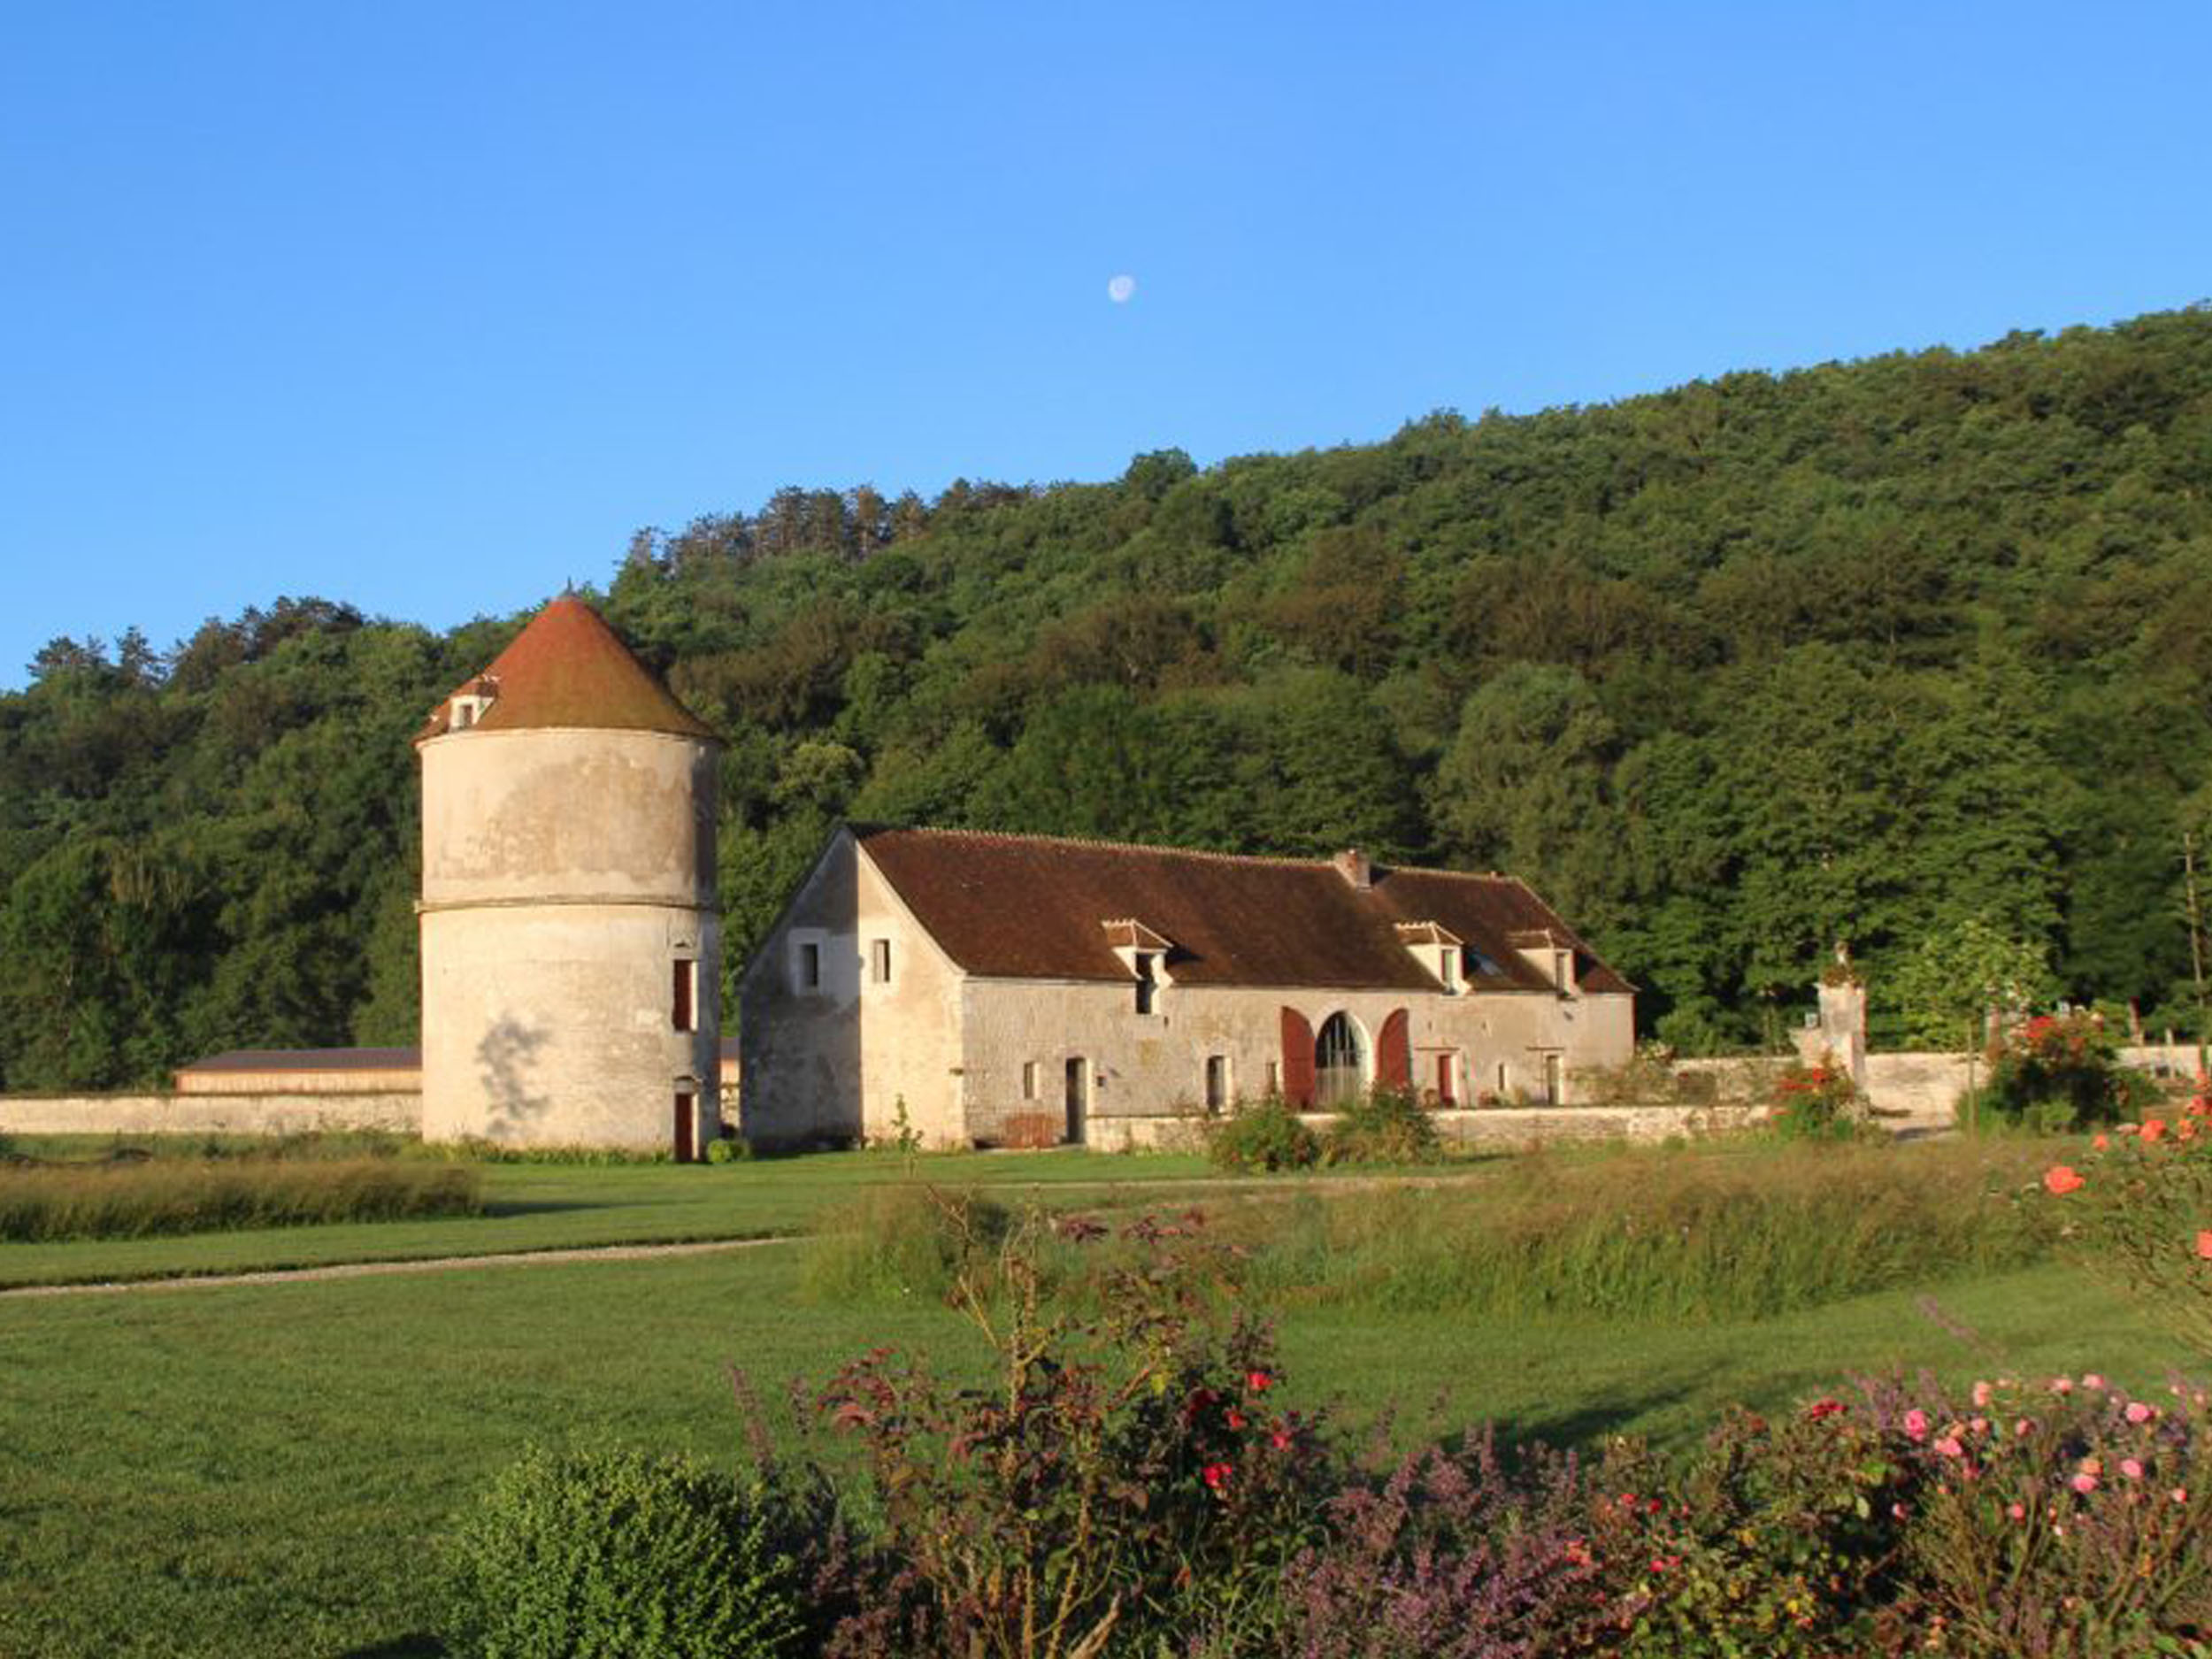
(683, 1002)
(810, 967)
(1029, 1080)
(463, 715)
(1148, 984)
(1505, 1081)
(1274, 1077)
(1563, 969)
(879, 961)
(1448, 966)
(1217, 1081)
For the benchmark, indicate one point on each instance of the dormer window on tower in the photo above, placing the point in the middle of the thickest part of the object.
(1144, 952)
(470, 704)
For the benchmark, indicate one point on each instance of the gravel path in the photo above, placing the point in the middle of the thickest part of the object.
(423, 1264)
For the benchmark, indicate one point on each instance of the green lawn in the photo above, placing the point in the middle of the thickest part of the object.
(554, 1206)
(260, 1469)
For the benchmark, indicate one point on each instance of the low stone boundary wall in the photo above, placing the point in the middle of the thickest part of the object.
(207, 1113)
(1507, 1128)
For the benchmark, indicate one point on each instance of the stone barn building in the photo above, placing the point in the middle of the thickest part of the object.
(993, 989)
(571, 933)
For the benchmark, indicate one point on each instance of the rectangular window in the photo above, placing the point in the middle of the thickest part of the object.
(1217, 1081)
(1563, 971)
(1147, 987)
(683, 1000)
(1505, 1081)
(1274, 1078)
(810, 967)
(1554, 1079)
(1029, 1080)
(1448, 966)
(879, 961)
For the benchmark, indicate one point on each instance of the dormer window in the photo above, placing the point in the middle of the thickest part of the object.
(1438, 949)
(1144, 952)
(469, 704)
(1551, 954)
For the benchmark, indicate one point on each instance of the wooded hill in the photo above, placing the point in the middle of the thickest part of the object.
(1869, 651)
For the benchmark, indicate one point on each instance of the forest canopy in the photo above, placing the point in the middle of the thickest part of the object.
(1894, 651)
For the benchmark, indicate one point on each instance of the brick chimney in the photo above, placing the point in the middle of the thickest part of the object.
(1352, 865)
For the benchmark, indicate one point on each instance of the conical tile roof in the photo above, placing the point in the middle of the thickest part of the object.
(568, 668)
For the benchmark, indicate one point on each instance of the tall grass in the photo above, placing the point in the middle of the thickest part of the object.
(902, 1243)
(137, 1199)
(1651, 1235)
(1646, 1234)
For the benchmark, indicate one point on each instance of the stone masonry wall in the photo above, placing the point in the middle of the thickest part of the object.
(400, 1113)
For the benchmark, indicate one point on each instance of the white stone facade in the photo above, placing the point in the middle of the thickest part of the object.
(568, 877)
(857, 1024)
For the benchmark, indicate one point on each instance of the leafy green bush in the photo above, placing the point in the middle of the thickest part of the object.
(134, 1199)
(1385, 1125)
(614, 1555)
(1262, 1134)
(729, 1149)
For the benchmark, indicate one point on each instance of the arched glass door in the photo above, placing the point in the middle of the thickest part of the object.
(1339, 1062)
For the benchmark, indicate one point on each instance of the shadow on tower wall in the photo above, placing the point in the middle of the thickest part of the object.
(502, 1060)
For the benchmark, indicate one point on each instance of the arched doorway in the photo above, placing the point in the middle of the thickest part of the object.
(1339, 1059)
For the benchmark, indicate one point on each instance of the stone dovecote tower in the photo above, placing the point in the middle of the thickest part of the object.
(572, 942)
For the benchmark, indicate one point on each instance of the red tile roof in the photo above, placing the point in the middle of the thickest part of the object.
(1031, 906)
(568, 668)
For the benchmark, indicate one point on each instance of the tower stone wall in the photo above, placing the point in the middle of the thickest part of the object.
(571, 947)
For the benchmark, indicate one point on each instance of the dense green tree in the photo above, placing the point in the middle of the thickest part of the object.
(1875, 651)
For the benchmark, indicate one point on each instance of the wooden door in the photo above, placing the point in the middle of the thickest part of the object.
(686, 1123)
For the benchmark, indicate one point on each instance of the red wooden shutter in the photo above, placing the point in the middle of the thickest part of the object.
(1447, 1090)
(1297, 1059)
(1394, 1061)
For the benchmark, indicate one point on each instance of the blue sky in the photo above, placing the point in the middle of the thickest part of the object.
(428, 307)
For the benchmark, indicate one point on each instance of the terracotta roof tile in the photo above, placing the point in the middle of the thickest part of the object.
(568, 668)
(1030, 907)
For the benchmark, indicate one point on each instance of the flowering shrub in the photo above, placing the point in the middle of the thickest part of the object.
(1777, 1538)
(1815, 1103)
(1126, 1477)
(2063, 1516)
(2055, 1073)
(2139, 1208)
(1458, 1555)
(1130, 1482)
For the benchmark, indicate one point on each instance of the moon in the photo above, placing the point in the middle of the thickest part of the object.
(1119, 288)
